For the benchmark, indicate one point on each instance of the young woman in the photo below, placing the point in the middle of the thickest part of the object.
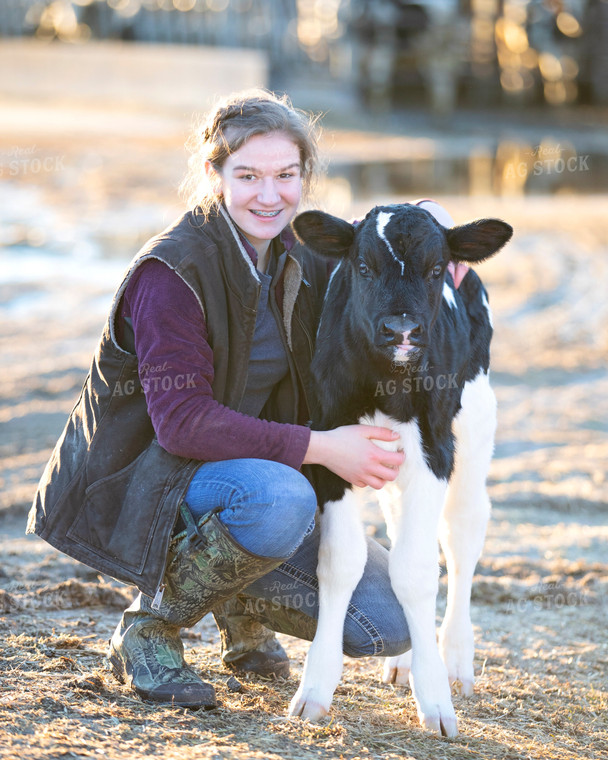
(180, 469)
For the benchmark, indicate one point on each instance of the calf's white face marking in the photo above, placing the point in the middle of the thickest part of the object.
(326, 297)
(382, 220)
(484, 301)
(448, 294)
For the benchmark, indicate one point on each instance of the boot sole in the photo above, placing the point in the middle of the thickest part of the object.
(270, 673)
(259, 667)
(117, 671)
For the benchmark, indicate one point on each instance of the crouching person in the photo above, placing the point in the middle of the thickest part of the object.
(181, 467)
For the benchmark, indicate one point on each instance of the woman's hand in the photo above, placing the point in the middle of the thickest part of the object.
(350, 452)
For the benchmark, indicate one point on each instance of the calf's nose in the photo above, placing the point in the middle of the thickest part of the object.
(392, 330)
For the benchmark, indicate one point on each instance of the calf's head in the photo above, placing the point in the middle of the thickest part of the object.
(395, 263)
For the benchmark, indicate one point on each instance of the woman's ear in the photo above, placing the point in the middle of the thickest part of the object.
(214, 178)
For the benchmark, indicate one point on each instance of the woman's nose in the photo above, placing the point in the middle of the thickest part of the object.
(268, 192)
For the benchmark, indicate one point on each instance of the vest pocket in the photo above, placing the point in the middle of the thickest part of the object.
(119, 515)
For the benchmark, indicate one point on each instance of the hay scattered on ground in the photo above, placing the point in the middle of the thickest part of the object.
(541, 687)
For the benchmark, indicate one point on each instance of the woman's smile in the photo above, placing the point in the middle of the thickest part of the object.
(266, 214)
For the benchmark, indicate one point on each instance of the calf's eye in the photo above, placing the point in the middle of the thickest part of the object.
(364, 269)
(437, 270)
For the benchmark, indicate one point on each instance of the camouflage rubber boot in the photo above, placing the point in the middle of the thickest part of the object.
(205, 566)
(146, 652)
(247, 645)
(247, 625)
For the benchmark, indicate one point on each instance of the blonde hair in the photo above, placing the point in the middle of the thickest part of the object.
(230, 124)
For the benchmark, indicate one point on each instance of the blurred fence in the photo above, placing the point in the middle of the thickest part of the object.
(225, 23)
(438, 53)
(155, 78)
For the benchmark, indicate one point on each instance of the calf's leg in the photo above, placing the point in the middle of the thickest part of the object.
(414, 571)
(463, 525)
(342, 556)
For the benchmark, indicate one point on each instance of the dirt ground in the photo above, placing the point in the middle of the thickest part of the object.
(539, 599)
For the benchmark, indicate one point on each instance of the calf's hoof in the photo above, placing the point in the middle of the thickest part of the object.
(437, 715)
(457, 650)
(397, 669)
(440, 724)
(462, 686)
(306, 705)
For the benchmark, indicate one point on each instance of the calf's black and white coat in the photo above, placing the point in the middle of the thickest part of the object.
(399, 346)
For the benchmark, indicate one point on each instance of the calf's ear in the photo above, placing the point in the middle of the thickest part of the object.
(324, 233)
(477, 241)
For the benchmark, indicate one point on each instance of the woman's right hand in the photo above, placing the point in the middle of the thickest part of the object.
(351, 453)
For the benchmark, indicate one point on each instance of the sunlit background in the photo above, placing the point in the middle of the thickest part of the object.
(378, 63)
(536, 50)
(551, 50)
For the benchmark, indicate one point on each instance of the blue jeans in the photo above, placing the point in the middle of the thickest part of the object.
(268, 508)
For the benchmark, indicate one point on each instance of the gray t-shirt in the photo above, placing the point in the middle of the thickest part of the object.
(268, 361)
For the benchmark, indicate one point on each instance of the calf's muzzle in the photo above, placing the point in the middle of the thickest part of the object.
(395, 330)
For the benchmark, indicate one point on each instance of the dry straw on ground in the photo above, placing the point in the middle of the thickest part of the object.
(541, 689)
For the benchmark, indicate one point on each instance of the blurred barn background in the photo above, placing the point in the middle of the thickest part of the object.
(387, 53)
(511, 94)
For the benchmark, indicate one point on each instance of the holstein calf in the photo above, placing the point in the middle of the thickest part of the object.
(398, 345)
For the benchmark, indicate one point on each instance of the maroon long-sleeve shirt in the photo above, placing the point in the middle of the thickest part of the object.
(176, 372)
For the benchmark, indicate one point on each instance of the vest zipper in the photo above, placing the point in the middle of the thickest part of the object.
(158, 597)
(305, 331)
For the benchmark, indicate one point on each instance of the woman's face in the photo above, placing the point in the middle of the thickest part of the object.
(262, 185)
